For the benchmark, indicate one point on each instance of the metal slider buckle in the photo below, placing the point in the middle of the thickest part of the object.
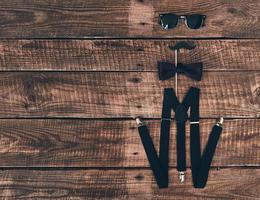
(220, 122)
(139, 122)
(194, 122)
(169, 119)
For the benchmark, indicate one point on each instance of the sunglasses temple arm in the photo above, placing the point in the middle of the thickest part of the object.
(203, 21)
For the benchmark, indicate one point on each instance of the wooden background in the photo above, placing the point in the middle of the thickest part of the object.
(74, 74)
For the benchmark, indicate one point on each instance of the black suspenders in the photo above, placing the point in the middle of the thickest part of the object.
(200, 165)
(159, 164)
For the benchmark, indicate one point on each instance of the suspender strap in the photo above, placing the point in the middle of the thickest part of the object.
(160, 169)
(191, 100)
(200, 165)
(159, 164)
(181, 147)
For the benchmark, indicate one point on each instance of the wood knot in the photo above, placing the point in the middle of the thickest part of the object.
(139, 49)
(139, 177)
(135, 80)
(32, 89)
(30, 92)
(232, 10)
(257, 92)
(143, 23)
(139, 67)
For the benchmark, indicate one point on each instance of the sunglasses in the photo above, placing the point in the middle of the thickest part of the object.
(170, 20)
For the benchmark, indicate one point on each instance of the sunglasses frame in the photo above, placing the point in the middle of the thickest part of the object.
(181, 17)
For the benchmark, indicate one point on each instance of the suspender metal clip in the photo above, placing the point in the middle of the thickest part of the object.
(220, 122)
(139, 122)
(182, 176)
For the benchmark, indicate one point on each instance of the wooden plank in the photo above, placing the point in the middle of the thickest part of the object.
(124, 55)
(109, 143)
(133, 18)
(122, 94)
(227, 183)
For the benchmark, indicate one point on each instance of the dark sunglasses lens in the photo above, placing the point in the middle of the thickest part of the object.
(195, 21)
(168, 21)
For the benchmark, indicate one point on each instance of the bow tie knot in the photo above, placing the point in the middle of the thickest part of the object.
(167, 70)
(179, 69)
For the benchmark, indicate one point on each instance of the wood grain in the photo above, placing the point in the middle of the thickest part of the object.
(119, 18)
(225, 184)
(122, 94)
(109, 143)
(124, 55)
(96, 86)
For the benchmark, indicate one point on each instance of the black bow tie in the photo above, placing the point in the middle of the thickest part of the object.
(167, 70)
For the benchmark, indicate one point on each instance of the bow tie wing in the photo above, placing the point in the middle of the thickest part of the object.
(166, 70)
(193, 70)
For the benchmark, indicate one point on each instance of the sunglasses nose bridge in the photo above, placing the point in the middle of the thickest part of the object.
(183, 17)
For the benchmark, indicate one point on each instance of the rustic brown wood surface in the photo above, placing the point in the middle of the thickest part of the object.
(122, 94)
(124, 55)
(74, 74)
(114, 143)
(133, 18)
(227, 183)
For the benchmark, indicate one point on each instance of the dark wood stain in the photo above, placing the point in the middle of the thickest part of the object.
(122, 94)
(124, 55)
(134, 18)
(75, 74)
(118, 184)
(102, 143)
